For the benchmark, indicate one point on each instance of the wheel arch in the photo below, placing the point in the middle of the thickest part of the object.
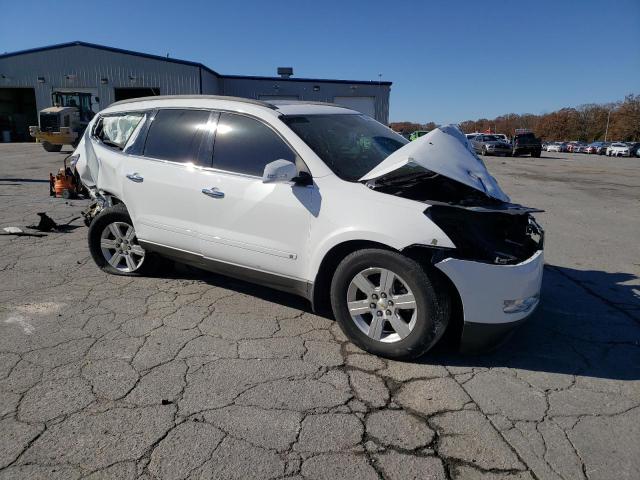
(319, 297)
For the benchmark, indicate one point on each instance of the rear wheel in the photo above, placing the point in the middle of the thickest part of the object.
(536, 153)
(388, 305)
(51, 147)
(113, 243)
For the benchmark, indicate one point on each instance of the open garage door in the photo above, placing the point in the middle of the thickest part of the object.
(17, 111)
(365, 105)
(127, 93)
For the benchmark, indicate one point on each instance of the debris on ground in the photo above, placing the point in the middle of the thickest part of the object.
(12, 230)
(48, 224)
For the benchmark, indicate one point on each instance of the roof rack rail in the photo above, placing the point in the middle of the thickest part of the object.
(196, 97)
(277, 103)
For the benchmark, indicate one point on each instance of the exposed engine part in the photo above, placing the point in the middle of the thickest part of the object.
(101, 201)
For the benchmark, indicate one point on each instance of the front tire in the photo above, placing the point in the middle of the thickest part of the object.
(51, 147)
(388, 305)
(114, 246)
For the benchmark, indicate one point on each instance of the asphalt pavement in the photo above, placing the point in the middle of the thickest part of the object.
(193, 375)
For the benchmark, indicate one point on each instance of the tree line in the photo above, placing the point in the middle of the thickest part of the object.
(587, 122)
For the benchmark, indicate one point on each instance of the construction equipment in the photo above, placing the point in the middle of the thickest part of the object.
(65, 122)
(66, 183)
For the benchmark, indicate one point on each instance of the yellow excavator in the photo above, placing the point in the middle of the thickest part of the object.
(65, 122)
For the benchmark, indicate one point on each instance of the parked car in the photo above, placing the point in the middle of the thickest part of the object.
(618, 149)
(592, 147)
(574, 146)
(602, 148)
(318, 200)
(501, 136)
(633, 149)
(555, 147)
(580, 148)
(524, 143)
(417, 134)
(485, 144)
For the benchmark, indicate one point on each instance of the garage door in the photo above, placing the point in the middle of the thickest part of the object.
(17, 112)
(365, 105)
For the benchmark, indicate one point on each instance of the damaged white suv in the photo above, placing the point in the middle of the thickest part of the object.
(401, 239)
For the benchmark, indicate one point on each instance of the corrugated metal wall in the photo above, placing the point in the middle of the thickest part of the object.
(87, 67)
(91, 65)
(308, 90)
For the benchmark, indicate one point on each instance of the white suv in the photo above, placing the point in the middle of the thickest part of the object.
(400, 238)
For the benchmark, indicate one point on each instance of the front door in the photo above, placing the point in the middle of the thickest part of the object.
(248, 223)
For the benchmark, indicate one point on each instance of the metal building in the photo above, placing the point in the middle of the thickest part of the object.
(29, 78)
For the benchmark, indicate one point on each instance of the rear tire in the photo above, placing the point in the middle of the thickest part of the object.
(114, 246)
(409, 325)
(536, 154)
(50, 147)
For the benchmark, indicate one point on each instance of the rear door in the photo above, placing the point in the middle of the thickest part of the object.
(245, 222)
(162, 180)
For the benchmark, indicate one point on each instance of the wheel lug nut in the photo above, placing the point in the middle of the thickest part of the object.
(373, 305)
(391, 303)
(374, 296)
(379, 313)
(383, 295)
(388, 312)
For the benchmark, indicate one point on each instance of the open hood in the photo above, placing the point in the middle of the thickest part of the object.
(444, 151)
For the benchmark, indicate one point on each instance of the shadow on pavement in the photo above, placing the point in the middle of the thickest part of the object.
(577, 329)
(587, 324)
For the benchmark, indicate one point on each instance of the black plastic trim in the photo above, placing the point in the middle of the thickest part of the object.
(278, 282)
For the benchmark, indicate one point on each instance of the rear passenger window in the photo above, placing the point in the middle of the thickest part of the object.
(244, 145)
(176, 135)
(115, 130)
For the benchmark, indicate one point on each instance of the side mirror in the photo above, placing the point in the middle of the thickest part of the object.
(279, 171)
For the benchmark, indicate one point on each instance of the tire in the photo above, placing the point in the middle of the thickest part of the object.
(536, 154)
(422, 326)
(514, 153)
(484, 151)
(133, 260)
(51, 147)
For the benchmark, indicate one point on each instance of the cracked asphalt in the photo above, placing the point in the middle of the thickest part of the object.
(193, 375)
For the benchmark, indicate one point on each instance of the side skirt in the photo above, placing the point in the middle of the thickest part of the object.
(259, 277)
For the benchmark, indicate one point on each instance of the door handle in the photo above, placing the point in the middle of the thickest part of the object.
(134, 177)
(213, 192)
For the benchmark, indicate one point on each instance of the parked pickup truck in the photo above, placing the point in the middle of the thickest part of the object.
(526, 142)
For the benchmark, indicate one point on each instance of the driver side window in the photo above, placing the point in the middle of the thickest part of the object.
(245, 145)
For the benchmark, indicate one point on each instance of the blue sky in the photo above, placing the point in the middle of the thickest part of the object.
(448, 61)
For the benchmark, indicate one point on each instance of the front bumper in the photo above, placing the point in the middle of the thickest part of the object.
(63, 137)
(495, 298)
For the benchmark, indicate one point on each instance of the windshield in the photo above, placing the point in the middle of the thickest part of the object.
(350, 145)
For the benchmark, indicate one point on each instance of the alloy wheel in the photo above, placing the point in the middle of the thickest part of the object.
(382, 305)
(120, 247)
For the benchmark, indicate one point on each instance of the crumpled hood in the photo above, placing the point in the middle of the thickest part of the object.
(447, 152)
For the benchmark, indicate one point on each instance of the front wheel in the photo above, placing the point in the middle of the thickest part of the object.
(113, 243)
(388, 305)
(51, 147)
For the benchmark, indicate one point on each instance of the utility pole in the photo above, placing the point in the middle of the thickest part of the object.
(606, 131)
